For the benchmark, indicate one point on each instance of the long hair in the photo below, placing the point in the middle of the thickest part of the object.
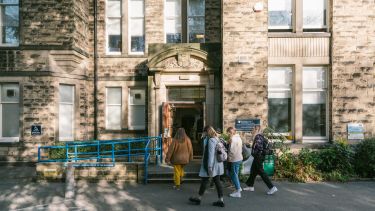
(211, 132)
(181, 135)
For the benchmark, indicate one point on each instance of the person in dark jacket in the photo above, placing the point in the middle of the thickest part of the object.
(257, 166)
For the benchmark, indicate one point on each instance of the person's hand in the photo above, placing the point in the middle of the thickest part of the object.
(210, 172)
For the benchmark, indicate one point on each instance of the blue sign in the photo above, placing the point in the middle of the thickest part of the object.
(36, 130)
(355, 131)
(246, 124)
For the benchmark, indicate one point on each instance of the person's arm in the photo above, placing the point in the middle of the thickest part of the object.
(170, 151)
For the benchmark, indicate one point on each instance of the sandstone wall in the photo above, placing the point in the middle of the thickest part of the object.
(245, 49)
(353, 65)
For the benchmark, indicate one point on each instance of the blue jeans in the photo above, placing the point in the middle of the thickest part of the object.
(234, 170)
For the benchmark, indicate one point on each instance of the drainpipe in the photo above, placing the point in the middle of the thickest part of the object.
(95, 69)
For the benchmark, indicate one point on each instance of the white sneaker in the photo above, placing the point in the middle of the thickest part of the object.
(272, 190)
(248, 189)
(236, 194)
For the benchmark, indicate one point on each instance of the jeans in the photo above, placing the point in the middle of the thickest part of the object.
(257, 168)
(217, 182)
(178, 174)
(234, 171)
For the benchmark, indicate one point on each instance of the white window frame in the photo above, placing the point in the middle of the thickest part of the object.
(292, 92)
(107, 110)
(1, 24)
(129, 29)
(106, 30)
(73, 113)
(8, 139)
(130, 126)
(326, 18)
(292, 17)
(196, 16)
(171, 18)
(317, 139)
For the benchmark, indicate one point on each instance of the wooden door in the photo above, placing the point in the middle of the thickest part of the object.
(167, 123)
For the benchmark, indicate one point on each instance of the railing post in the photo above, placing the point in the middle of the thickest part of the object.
(113, 152)
(129, 151)
(145, 168)
(161, 148)
(38, 153)
(98, 152)
(75, 153)
(66, 152)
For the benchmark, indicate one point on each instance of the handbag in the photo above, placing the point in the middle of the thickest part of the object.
(246, 152)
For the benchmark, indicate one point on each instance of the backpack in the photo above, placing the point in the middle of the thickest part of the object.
(267, 146)
(221, 152)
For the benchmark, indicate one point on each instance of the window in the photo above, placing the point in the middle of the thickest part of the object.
(9, 112)
(137, 111)
(66, 112)
(314, 102)
(280, 99)
(9, 20)
(113, 108)
(280, 14)
(197, 94)
(136, 26)
(181, 26)
(113, 25)
(314, 14)
(173, 21)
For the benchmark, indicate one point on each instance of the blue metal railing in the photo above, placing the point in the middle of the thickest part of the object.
(83, 153)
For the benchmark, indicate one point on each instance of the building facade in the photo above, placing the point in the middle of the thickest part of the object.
(105, 69)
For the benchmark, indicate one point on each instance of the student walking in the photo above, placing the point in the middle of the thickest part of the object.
(258, 152)
(180, 153)
(210, 168)
(235, 160)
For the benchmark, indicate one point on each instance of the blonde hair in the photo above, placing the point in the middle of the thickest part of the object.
(211, 132)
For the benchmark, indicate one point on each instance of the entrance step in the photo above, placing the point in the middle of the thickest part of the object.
(163, 173)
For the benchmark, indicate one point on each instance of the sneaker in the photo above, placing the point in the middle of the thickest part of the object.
(272, 190)
(248, 189)
(176, 187)
(195, 200)
(218, 204)
(235, 194)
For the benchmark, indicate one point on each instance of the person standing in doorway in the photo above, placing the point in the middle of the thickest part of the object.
(235, 160)
(257, 167)
(210, 168)
(180, 153)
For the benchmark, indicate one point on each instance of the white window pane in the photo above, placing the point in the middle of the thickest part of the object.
(10, 120)
(136, 8)
(114, 95)
(113, 120)
(279, 94)
(10, 93)
(173, 8)
(9, 24)
(196, 8)
(314, 13)
(280, 77)
(137, 116)
(280, 13)
(137, 97)
(66, 121)
(137, 27)
(114, 26)
(66, 93)
(113, 8)
(314, 77)
(173, 26)
(314, 97)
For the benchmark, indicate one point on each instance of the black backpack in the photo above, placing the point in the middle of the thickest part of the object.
(267, 146)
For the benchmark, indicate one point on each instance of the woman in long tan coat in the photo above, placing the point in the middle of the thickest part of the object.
(180, 153)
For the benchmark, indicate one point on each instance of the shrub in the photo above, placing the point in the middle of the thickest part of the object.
(364, 159)
(337, 157)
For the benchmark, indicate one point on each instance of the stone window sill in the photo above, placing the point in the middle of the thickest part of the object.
(298, 35)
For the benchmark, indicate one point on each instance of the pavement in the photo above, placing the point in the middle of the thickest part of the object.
(19, 193)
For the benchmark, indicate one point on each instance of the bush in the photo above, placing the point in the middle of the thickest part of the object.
(364, 159)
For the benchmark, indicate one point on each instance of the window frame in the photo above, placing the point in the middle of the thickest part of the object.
(73, 104)
(10, 139)
(107, 105)
(315, 139)
(317, 29)
(284, 28)
(129, 28)
(130, 126)
(106, 29)
(1, 24)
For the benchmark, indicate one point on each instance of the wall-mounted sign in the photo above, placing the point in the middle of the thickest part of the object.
(355, 131)
(36, 130)
(246, 124)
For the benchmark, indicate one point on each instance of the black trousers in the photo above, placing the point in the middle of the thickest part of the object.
(257, 168)
(204, 184)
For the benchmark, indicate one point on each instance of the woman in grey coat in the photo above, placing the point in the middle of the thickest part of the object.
(210, 167)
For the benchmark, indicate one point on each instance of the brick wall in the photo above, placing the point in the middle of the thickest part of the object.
(353, 65)
(245, 82)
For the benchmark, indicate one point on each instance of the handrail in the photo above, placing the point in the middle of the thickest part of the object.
(80, 152)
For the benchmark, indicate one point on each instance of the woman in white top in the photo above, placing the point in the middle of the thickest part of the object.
(235, 160)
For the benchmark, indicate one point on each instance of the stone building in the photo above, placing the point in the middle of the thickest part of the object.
(104, 69)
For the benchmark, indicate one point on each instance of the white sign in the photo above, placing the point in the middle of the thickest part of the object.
(355, 131)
